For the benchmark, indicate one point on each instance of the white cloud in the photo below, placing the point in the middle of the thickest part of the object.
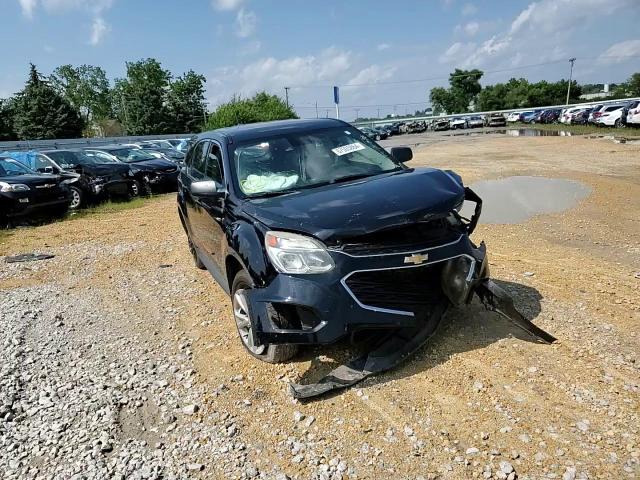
(245, 23)
(620, 52)
(383, 46)
(28, 7)
(372, 74)
(251, 48)
(99, 28)
(470, 28)
(60, 6)
(457, 52)
(539, 33)
(469, 9)
(226, 4)
(331, 66)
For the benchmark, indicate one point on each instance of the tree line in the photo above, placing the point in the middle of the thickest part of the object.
(465, 93)
(80, 101)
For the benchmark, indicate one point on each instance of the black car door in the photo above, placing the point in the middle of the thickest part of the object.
(194, 172)
(212, 212)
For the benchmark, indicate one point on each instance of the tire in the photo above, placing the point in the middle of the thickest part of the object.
(77, 198)
(134, 190)
(196, 257)
(618, 123)
(267, 353)
(141, 189)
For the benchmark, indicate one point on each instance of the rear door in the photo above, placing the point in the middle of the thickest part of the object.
(193, 172)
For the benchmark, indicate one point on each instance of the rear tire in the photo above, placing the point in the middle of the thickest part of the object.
(267, 353)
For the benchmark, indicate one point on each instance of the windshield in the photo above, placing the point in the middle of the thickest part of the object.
(131, 155)
(67, 159)
(308, 159)
(10, 167)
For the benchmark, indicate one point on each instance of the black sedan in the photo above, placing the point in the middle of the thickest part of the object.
(150, 174)
(24, 192)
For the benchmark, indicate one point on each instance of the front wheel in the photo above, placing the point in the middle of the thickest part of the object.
(76, 198)
(241, 314)
(618, 123)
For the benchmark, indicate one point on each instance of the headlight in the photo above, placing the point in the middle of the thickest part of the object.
(292, 253)
(13, 187)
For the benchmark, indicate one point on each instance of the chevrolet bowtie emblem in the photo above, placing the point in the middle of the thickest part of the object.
(416, 259)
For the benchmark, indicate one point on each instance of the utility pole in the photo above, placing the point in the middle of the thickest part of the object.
(357, 113)
(571, 60)
(327, 113)
(378, 113)
(286, 95)
(316, 109)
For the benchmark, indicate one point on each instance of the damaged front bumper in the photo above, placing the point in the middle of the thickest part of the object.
(365, 292)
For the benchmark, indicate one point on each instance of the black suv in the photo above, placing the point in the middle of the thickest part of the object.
(24, 192)
(318, 233)
(150, 173)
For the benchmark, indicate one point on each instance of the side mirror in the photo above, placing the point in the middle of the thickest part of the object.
(205, 188)
(402, 154)
(48, 170)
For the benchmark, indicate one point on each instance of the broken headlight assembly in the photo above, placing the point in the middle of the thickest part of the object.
(297, 254)
(13, 187)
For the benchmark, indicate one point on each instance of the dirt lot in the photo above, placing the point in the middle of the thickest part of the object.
(121, 358)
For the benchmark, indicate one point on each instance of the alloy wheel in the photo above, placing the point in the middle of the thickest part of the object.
(75, 199)
(243, 322)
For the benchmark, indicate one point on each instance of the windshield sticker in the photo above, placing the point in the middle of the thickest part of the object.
(352, 147)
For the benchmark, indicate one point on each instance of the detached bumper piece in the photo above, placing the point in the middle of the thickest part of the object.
(399, 345)
(393, 349)
(497, 300)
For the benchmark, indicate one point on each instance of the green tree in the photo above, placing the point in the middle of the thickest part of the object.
(262, 107)
(6, 121)
(86, 88)
(41, 113)
(139, 100)
(633, 85)
(186, 103)
(464, 87)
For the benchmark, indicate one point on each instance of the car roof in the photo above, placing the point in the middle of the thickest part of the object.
(54, 150)
(252, 131)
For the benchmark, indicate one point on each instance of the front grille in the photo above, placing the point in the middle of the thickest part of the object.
(409, 289)
(416, 236)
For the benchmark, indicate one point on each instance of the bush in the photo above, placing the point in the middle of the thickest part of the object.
(262, 107)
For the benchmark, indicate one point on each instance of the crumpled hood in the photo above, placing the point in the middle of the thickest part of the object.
(105, 169)
(363, 206)
(156, 165)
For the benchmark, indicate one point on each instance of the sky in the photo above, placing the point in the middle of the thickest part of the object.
(385, 55)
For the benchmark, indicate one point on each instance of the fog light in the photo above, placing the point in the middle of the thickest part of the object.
(454, 279)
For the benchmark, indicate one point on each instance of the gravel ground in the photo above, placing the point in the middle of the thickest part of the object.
(120, 359)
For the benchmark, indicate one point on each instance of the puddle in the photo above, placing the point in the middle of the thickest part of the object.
(534, 132)
(516, 199)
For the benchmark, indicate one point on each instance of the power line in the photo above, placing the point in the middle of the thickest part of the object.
(462, 75)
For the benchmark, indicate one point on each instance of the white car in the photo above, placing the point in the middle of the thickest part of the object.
(566, 115)
(513, 117)
(633, 115)
(611, 116)
(460, 122)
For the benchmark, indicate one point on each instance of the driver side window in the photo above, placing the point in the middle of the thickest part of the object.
(214, 164)
(197, 166)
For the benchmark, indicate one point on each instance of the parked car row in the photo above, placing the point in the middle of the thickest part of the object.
(51, 182)
(611, 115)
